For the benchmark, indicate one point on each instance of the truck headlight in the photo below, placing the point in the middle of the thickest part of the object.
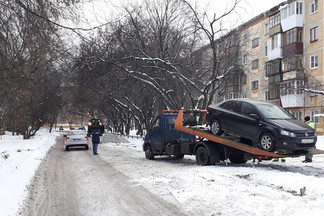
(287, 133)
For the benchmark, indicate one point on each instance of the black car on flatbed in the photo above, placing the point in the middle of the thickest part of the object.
(267, 125)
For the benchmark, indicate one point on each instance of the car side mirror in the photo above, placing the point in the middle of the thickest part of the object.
(254, 116)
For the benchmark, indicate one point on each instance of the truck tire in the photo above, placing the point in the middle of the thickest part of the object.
(237, 158)
(202, 156)
(215, 127)
(148, 152)
(179, 156)
(266, 142)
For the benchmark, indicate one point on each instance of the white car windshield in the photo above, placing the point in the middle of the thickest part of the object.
(270, 111)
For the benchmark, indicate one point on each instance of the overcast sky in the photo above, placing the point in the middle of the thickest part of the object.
(100, 11)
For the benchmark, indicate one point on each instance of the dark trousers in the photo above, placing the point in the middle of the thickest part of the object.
(94, 148)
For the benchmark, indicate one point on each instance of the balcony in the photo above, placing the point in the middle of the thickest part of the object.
(294, 48)
(233, 88)
(275, 30)
(292, 63)
(292, 16)
(292, 75)
(274, 44)
(294, 100)
(273, 67)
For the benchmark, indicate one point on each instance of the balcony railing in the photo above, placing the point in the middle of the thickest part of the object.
(293, 48)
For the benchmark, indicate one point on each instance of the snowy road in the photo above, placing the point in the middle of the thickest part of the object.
(120, 181)
(79, 183)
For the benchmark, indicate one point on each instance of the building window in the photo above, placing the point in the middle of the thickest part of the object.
(297, 115)
(312, 118)
(243, 79)
(266, 96)
(274, 20)
(255, 63)
(266, 28)
(274, 41)
(314, 34)
(299, 8)
(314, 6)
(266, 51)
(244, 59)
(245, 38)
(314, 61)
(255, 85)
(255, 42)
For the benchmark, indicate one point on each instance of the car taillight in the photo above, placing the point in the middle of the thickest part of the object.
(197, 138)
(67, 139)
(85, 138)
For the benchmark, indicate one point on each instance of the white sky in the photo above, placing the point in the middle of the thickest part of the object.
(101, 11)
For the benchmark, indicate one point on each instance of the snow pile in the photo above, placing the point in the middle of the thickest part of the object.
(18, 162)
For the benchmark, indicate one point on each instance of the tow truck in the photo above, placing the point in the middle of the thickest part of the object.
(178, 132)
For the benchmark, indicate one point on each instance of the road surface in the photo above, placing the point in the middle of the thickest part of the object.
(79, 183)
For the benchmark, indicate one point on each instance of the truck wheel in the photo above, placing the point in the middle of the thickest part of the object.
(202, 156)
(266, 142)
(179, 156)
(148, 152)
(215, 127)
(237, 158)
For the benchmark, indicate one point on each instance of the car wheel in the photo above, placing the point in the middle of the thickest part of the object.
(202, 156)
(216, 128)
(149, 153)
(86, 147)
(267, 142)
(67, 148)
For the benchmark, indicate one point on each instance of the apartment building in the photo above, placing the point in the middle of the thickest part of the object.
(282, 55)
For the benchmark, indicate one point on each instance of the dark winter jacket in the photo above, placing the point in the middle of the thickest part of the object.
(96, 136)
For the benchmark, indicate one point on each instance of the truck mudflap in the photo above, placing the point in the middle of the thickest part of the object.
(226, 142)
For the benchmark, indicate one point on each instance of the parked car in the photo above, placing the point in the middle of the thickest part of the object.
(73, 139)
(270, 127)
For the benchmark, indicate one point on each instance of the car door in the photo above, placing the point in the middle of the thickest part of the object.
(248, 126)
(156, 135)
(231, 110)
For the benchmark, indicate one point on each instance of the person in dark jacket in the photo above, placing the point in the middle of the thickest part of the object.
(96, 133)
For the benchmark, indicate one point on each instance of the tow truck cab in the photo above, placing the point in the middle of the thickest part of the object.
(163, 139)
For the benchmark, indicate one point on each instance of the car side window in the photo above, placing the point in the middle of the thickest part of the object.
(233, 106)
(248, 109)
(156, 124)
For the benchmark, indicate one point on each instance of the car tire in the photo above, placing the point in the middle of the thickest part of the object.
(67, 148)
(215, 127)
(149, 153)
(266, 142)
(202, 157)
(86, 147)
(237, 158)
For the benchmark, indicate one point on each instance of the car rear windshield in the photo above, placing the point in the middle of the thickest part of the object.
(270, 111)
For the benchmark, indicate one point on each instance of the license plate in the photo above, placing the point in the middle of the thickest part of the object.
(77, 139)
(307, 140)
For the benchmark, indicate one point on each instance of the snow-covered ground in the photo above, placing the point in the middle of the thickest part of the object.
(251, 189)
(269, 188)
(19, 159)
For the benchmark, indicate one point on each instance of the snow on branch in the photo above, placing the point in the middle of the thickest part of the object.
(314, 91)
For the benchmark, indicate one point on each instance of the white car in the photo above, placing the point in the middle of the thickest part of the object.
(76, 140)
